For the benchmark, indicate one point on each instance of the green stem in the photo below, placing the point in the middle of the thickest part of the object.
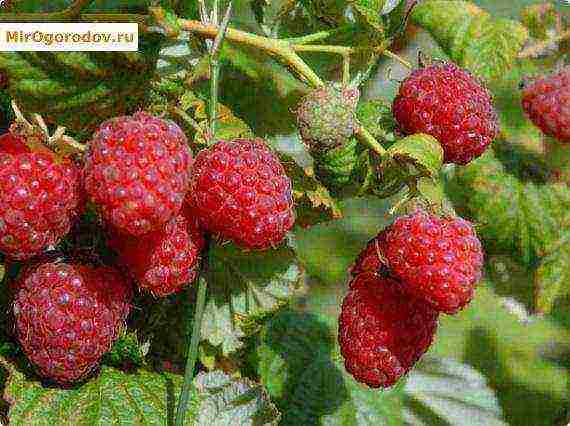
(192, 349)
(366, 137)
(278, 48)
(318, 36)
(214, 82)
(215, 69)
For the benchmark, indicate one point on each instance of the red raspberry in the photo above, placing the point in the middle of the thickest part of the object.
(382, 331)
(39, 197)
(68, 315)
(438, 259)
(547, 103)
(137, 171)
(448, 103)
(240, 191)
(164, 261)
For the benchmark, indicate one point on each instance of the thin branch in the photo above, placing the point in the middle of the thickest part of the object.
(367, 138)
(346, 70)
(318, 36)
(398, 58)
(215, 70)
(192, 349)
(277, 48)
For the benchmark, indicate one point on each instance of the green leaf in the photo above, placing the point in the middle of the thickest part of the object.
(313, 202)
(79, 90)
(144, 397)
(423, 153)
(112, 397)
(407, 162)
(471, 37)
(444, 391)
(521, 218)
(298, 361)
(243, 288)
(552, 278)
(224, 401)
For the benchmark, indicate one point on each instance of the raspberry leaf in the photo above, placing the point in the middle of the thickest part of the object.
(79, 90)
(245, 287)
(471, 37)
(313, 202)
(418, 155)
(298, 361)
(222, 400)
(522, 218)
(552, 278)
(450, 391)
(144, 397)
(112, 397)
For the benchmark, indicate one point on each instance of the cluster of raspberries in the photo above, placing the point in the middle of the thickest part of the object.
(418, 267)
(155, 203)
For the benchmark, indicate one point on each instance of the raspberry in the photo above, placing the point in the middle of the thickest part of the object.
(382, 331)
(326, 117)
(448, 103)
(68, 315)
(240, 192)
(39, 197)
(137, 171)
(547, 103)
(164, 261)
(438, 259)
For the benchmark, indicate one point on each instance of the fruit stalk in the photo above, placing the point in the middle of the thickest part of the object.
(193, 347)
(215, 71)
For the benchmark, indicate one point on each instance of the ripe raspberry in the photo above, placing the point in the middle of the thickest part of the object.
(438, 259)
(164, 261)
(39, 197)
(137, 171)
(240, 192)
(547, 103)
(448, 103)
(68, 315)
(326, 117)
(382, 331)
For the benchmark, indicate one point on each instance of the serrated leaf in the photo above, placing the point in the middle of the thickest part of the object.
(408, 161)
(452, 392)
(299, 363)
(79, 90)
(552, 278)
(521, 218)
(243, 288)
(471, 37)
(224, 401)
(422, 152)
(313, 202)
(112, 397)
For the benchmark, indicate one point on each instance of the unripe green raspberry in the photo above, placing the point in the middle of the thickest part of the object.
(341, 166)
(326, 117)
(350, 169)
